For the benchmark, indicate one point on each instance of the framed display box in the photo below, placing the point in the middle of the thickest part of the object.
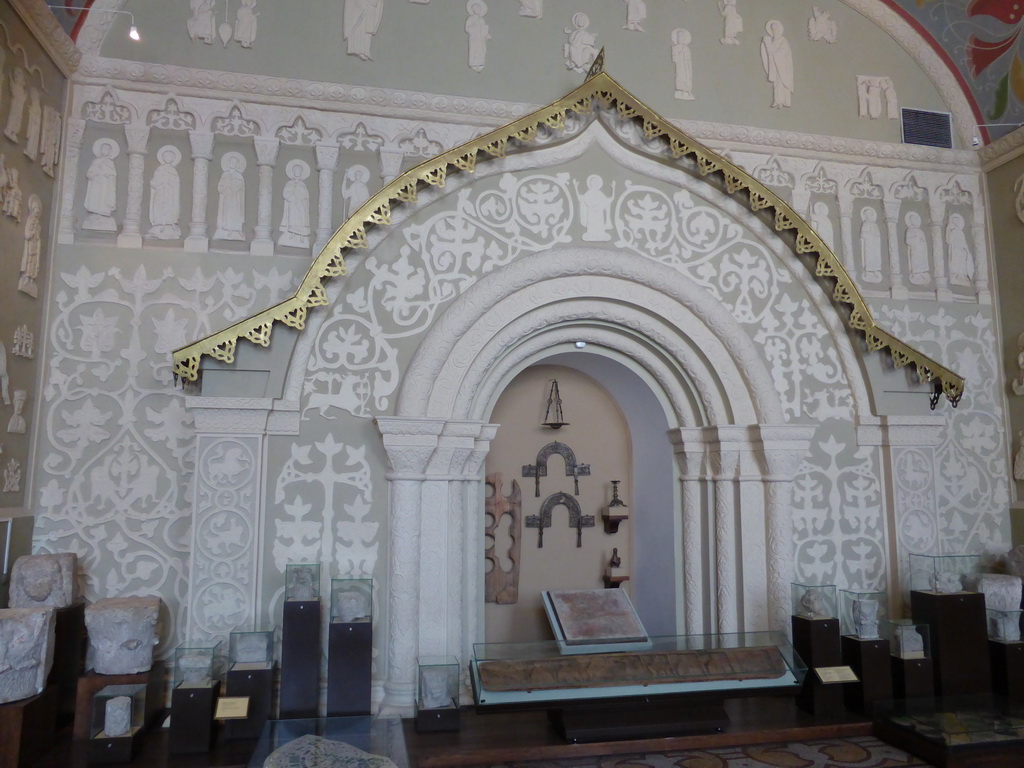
(437, 693)
(300, 642)
(944, 574)
(117, 723)
(193, 699)
(862, 613)
(350, 647)
(814, 601)
(250, 674)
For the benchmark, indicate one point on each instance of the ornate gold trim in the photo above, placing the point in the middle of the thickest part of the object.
(601, 88)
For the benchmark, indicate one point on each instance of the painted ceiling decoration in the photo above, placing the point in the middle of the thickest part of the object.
(599, 90)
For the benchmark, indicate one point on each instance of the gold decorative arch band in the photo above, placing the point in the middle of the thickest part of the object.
(600, 89)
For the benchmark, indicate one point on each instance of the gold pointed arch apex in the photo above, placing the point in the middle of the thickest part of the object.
(599, 89)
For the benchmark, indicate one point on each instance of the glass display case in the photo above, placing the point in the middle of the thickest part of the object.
(944, 574)
(437, 682)
(814, 601)
(861, 613)
(907, 640)
(1003, 626)
(302, 581)
(194, 666)
(251, 650)
(118, 711)
(351, 601)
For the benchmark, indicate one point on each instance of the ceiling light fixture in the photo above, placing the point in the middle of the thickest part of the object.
(133, 31)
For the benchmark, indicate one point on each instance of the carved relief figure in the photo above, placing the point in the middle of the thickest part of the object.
(33, 247)
(533, 9)
(101, 190)
(12, 476)
(479, 34)
(165, 196)
(813, 604)
(870, 246)
(5, 379)
(35, 119)
(245, 23)
(871, 92)
(595, 209)
(636, 12)
(231, 204)
(44, 581)
(917, 250)
(17, 106)
(300, 585)
(295, 217)
(821, 222)
(961, 260)
(17, 422)
(122, 633)
(580, 49)
(732, 20)
(50, 139)
(354, 190)
(202, 24)
(360, 23)
(684, 64)
(12, 195)
(821, 26)
(26, 651)
(1018, 187)
(777, 60)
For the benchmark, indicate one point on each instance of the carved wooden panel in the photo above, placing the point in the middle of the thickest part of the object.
(500, 585)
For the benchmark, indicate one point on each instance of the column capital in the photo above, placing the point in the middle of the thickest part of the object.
(202, 144)
(266, 149)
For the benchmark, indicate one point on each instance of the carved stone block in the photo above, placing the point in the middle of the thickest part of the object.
(117, 716)
(26, 651)
(122, 633)
(44, 581)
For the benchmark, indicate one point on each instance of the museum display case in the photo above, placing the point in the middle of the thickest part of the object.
(1003, 626)
(944, 574)
(861, 613)
(251, 650)
(194, 665)
(302, 581)
(907, 640)
(815, 601)
(437, 693)
(350, 648)
(117, 722)
(351, 600)
(193, 698)
(251, 676)
(300, 641)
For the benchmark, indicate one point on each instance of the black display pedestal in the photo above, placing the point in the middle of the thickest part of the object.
(638, 720)
(869, 659)
(192, 729)
(959, 641)
(442, 719)
(258, 685)
(68, 656)
(912, 678)
(27, 729)
(349, 658)
(1007, 669)
(300, 659)
(120, 749)
(91, 683)
(816, 642)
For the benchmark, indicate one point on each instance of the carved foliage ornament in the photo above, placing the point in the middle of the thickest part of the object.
(599, 90)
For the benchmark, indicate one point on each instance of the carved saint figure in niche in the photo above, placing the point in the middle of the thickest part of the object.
(360, 23)
(17, 108)
(595, 209)
(917, 250)
(101, 190)
(533, 9)
(50, 139)
(684, 64)
(5, 379)
(354, 190)
(35, 120)
(245, 23)
(821, 222)
(32, 249)
(821, 26)
(165, 196)
(12, 195)
(870, 246)
(777, 59)
(231, 205)
(636, 12)
(732, 20)
(580, 49)
(479, 33)
(17, 422)
(961, 260)
(295, 217)
(202, 24)
(12, 476)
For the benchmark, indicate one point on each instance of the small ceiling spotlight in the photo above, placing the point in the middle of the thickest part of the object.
(133, 33)
(580, 344)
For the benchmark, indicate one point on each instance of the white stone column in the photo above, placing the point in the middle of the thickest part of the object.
(202, 153)
(937, 214)
(897, 288)
(849, 258)
(689, 448)
(131, 230)
(266, 158)
(728, 587)
(72, 150)
(326, 165)
(223, 578)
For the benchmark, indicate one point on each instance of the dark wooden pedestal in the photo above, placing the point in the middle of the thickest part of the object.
(90, 683)
(192, 718)
(610, 722)
(912, 678)
(431, 720)
(27, 729)
(816, 642)
(1007, 669)
(258, 685)
(300, 659)
(349, 660)
(68, 656)
(959, 641)
(121, 749)
(869, 659)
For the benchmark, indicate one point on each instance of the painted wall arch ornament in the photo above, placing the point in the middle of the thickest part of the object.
(599, 91)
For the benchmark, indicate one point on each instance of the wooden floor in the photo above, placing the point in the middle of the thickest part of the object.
(484, 740)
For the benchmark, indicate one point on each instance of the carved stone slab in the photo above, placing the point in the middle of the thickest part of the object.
(122, 633)
(44, 581)
(502, 586)
(26, 651)
(595, 616)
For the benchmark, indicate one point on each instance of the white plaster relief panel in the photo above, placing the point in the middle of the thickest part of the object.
(682, 58)
(580, 47)
(821, 27)
(876, 97)
(777, 60)
(732, 22)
